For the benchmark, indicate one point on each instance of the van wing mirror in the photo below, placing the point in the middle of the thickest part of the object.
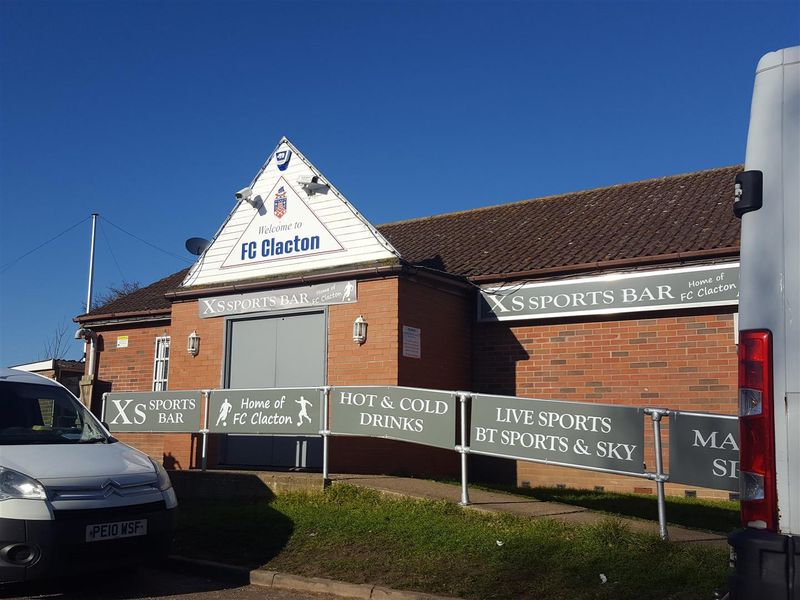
(749, 192)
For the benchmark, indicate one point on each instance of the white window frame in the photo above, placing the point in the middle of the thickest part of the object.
(161, 363)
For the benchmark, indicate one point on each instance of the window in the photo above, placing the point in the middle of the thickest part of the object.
(43, 414)
(161, 364)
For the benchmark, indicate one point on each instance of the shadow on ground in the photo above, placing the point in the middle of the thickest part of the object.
(254, 531)
(254, 517)
(130, 584)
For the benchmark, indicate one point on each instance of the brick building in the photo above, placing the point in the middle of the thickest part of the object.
(66, 372)
(552, 298)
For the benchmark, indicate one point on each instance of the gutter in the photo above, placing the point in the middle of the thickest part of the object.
(157, 312)
(613, 264)
(364, 272)
(229, 288)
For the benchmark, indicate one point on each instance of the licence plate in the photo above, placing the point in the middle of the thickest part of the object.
(113, 531)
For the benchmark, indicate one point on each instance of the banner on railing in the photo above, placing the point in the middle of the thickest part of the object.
(704, 450)
(168, 411)
(703, 447)
(577, 434)
(277, 411)
(400, 413)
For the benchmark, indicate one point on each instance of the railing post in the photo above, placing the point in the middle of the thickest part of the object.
(325, 432)
(204, 432)
(660, 478)
(103, 408)
(463, 449)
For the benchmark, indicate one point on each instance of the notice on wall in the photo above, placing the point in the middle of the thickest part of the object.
(568, 433)
(277, 411)
(408, 414)
(122, 341)
(167, 411)
(665, 289)
(412, 342)
(704, 450)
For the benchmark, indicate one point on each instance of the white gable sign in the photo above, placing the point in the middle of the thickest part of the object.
(293, 221)
(283, 227)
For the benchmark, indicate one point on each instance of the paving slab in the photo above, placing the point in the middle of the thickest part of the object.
(489, 501)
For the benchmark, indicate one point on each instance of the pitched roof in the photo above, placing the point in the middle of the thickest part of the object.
(678, 214)
(681, 214)
(146, 299)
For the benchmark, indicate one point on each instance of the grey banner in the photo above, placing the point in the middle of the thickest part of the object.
(656, 290)
(277, 411)
(704, 450)
(409, 414)
(168, 411)
(337, 292)
(570, 433)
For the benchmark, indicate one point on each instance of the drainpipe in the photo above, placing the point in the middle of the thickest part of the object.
(87, 381)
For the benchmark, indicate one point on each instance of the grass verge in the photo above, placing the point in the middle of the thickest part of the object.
(360, 536)
(719, 516)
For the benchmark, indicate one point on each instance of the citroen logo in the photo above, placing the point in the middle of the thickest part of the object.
(109, 487)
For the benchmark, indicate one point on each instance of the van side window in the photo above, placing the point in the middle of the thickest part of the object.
(161, 364)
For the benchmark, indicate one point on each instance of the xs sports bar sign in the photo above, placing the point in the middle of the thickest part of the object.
(174, 411)
(693, 287)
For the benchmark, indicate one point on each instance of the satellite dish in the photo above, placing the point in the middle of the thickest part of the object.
(197, 245)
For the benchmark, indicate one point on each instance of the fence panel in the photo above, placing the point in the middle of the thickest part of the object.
(400, 413)
(276, 411)
(596, 436)
(167, 411)
(704, 450)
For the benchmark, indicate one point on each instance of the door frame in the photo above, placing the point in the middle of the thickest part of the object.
(227, 347)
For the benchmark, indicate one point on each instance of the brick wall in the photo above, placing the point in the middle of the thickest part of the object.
(386, 305)
(174, 450)
(679, 362)
(374, 362)
(670, 360)
(131, 368)
(445, 319)
(204, 371)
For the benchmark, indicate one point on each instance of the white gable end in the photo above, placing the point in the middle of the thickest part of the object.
(291, 223)
(283, 227)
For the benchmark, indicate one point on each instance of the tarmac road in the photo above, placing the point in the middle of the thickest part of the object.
(150, 584)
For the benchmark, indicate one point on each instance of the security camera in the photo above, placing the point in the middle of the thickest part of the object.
(244, 194)
(313, 185)
(84, 334)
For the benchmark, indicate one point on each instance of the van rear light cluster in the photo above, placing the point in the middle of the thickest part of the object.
(757, 431)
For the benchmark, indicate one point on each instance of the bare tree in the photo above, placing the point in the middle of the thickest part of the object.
(113, 292)
(58, 345)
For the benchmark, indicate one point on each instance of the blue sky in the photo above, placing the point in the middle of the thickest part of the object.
(154, 113)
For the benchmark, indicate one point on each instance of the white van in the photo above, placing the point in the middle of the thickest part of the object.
(72, 498)
(766, 553)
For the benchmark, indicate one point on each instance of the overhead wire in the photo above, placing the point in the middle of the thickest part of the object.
(136, 237)
(6, 266)
(111, 251)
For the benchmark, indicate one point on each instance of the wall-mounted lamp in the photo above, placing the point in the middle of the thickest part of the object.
(193, 346)
(359, 330)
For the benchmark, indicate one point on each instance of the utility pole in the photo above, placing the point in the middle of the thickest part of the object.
(87, 381)
(91, 264)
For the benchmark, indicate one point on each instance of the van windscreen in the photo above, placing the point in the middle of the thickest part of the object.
(44, 414)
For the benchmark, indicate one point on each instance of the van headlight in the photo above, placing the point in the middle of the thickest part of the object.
(164, 482)
(15, 485)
